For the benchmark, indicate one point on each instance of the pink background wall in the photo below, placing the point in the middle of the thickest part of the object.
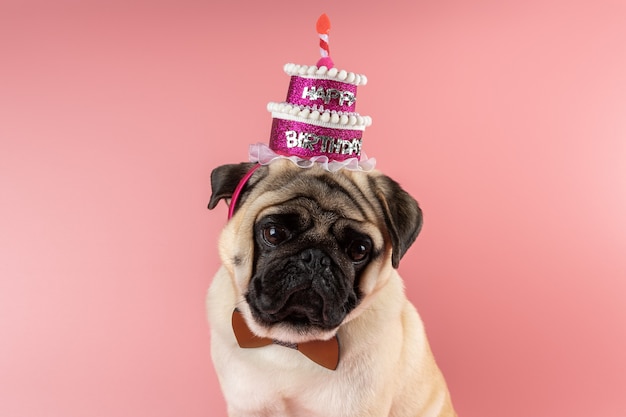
(507, 120)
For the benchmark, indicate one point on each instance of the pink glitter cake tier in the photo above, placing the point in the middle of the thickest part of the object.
(318, 117)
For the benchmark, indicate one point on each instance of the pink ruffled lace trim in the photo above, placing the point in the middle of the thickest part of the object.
(261, 153)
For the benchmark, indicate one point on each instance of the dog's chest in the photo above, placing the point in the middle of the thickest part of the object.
(310, 391)
(310, 402)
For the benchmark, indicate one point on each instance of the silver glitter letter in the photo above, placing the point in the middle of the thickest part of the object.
(292, 138)
(346, 147)
(310, 94)
(347, 96)
(327, 143)
(309, 141)
(337, 146)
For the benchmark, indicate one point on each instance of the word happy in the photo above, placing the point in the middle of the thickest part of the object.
(344, 98)
(321, 143)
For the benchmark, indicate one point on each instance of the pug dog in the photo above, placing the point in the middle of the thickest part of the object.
(308, 314)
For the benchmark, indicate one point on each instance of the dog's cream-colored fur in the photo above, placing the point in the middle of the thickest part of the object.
(386, 367)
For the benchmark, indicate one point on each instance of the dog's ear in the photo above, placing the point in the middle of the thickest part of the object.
(224, 180)
(403, 215)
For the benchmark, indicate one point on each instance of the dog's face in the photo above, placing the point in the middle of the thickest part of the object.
(307, 248)
(309, 256)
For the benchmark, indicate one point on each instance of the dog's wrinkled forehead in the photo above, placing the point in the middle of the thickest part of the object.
(321, 193)
(300, 212)
(320, 201)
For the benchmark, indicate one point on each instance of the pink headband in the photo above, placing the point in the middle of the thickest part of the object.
(235, 196)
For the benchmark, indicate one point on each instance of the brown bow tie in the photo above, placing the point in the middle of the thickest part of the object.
(322, 352)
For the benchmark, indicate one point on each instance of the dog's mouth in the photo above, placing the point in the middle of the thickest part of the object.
(304, 304)
(303, 310)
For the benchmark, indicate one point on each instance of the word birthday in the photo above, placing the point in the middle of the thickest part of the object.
(323, 143)
(344, 98)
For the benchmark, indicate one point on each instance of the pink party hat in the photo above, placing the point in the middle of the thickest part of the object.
(318, 123)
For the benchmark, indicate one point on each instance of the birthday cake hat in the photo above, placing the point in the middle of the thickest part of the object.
(317, 123)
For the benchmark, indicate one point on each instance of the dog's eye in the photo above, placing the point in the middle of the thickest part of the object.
(274, 235)
(358, 250)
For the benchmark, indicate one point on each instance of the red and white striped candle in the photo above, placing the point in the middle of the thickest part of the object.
(323, 29)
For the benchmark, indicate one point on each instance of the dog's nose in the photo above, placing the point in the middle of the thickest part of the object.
(315, 258)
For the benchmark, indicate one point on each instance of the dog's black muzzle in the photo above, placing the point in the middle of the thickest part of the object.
(306, 289)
